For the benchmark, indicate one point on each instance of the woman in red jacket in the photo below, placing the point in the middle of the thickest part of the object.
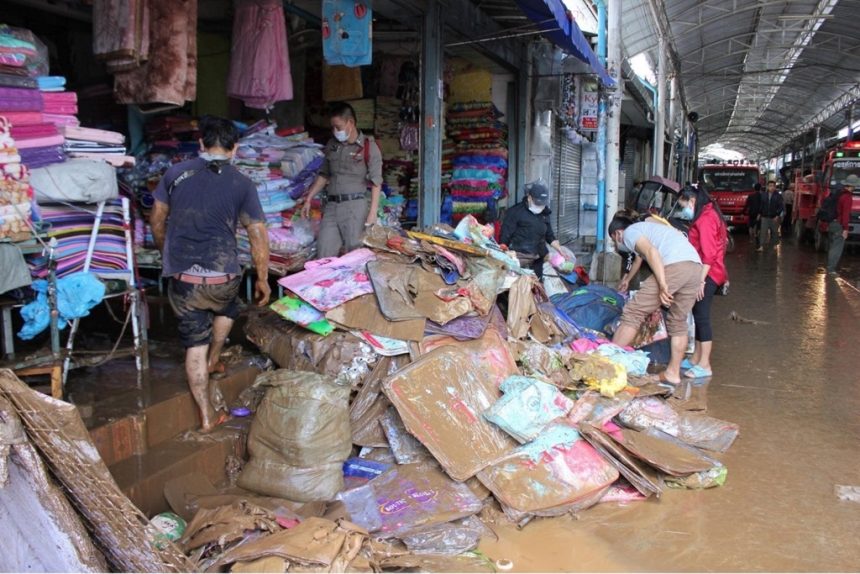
(708, 234)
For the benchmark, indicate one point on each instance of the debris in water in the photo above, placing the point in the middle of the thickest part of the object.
(848, 493)
(735, 317)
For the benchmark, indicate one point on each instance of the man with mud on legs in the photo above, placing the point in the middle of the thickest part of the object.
(198, 205)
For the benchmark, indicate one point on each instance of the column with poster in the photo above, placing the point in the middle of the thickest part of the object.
(588, 107)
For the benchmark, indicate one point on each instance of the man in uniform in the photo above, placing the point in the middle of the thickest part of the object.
(198, 204)
(352, 163)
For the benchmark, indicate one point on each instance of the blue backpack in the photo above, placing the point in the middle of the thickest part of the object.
(592, 307)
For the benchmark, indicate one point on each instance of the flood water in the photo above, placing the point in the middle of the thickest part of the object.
(793, 386)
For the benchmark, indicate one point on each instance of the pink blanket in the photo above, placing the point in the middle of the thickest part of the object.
(329, 283)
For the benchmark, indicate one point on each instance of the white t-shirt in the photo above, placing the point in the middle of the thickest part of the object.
(670, 243)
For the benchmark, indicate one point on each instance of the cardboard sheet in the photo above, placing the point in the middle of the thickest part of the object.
(641, 476)
(364, 313)
(673, 458)
(440, 398)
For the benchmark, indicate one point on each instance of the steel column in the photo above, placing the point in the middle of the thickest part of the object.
(613, 131)
(430, 182)
(659, 111)
(673, 112)
(601, 129)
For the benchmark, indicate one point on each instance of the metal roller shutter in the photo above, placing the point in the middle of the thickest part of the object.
(565, 207)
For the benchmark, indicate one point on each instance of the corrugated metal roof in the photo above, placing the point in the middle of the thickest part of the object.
(758, 72)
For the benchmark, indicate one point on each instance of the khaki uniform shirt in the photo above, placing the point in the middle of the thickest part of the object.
(345, 168)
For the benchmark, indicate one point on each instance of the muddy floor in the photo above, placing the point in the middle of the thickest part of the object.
(791, 379)
(793, 385)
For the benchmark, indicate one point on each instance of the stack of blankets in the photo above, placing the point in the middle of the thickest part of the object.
(15, 192)
(479, 161)
(283, 169)
(91, 143)
(72, 226)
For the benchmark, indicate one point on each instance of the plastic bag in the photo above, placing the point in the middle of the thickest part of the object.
(407, 497)
(527, 406)
(409, 137)
(76, 295)
(406, 448)
(300, 438)
(555, 470)
(692, 428)
(449, 539)
(635, 362)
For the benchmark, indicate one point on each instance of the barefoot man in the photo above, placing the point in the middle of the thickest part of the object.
(198, 205)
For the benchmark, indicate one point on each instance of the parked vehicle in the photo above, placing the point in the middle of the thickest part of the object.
(656, 195)
(841, 165)
(731, 185)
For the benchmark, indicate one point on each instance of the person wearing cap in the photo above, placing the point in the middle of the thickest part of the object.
(754, 202)
(838, 228)
(526, 228)
(772, 212)
(352, 164)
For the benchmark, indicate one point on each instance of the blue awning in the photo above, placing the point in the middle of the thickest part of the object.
(553, 18)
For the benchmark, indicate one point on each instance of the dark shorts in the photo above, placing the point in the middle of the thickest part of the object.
(196, 305)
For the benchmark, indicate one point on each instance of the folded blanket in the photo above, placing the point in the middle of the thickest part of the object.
(23, 132)
(15, 81)
(20, 100)
(93, 135)
(26, 143)
(23, 118)
(51, 83)
(62, 109)
(62, 120)
(60, 97)
(41, 156)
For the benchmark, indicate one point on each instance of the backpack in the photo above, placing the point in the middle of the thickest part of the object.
(593, 307)
(827, 211)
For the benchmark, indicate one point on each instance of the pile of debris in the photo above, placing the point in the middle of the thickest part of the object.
(427, 386)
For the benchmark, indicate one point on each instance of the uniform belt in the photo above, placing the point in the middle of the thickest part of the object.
(346, 197)
(201, 280)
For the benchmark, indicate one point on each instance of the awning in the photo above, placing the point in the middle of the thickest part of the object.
(553, 18)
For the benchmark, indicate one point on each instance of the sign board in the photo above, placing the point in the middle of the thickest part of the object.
(588, 117)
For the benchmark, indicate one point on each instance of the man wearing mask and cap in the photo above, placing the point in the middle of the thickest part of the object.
(353, 162)
(526, 228)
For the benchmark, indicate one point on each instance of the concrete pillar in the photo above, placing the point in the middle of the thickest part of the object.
(430, 182)
(659, 111)
(613, 131)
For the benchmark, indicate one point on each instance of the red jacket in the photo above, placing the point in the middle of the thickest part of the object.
(708, 236)
(843, 209)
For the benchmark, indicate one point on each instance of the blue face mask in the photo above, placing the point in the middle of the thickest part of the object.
(687, 213)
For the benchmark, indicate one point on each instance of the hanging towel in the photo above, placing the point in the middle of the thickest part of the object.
(341, 83)
(346, 31)
(121, 33)
(260, 60)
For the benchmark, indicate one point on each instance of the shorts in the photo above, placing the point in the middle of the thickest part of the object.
(683, 280)
(196, 305)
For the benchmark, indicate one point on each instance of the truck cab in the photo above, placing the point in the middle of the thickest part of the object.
(731, 185)
(841, 166)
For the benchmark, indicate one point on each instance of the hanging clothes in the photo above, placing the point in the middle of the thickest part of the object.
(121, 33)
(260, 60)
(346, 31)
(169, 76)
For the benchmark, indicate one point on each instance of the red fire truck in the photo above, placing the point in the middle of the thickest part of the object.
(841, 166)
(731, 185)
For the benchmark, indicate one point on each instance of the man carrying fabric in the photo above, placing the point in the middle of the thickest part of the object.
(678, 280)
(198, 204)
(772, 212)
(838, 228)
(527, 229)
(352, 162)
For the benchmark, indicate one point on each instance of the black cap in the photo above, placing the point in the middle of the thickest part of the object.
(539, 193)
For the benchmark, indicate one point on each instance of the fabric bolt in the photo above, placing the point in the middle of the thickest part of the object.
(27, 143)
(34, 131)
(61, 120)
(42, 156)
(15, 81)
(94, 135)
(260, 61)
(20, 100)
(169, 76)
(24, 118)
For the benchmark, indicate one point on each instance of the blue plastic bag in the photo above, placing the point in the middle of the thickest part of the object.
(76, 295)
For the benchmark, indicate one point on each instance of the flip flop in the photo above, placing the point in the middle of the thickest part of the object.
(687, 364)
(698, 372)
(663, 379)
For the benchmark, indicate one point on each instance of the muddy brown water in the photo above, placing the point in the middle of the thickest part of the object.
(793, 386)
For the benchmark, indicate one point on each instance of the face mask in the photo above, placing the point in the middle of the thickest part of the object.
(536, 209)
(341, 135)
(687, 213)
